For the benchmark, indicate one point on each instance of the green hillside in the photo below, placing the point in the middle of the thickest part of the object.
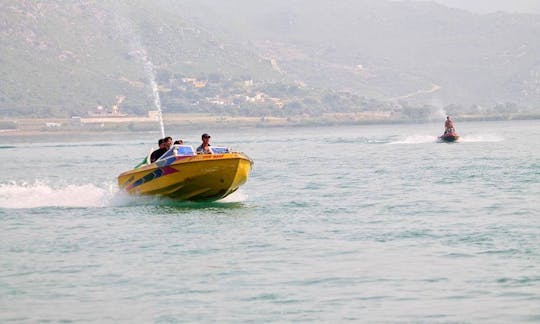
(66, 57)
(60, 58)
(402, 47)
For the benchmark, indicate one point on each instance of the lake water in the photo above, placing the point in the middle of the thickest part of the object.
(360, 223)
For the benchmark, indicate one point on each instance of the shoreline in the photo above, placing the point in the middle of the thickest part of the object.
(31, 127)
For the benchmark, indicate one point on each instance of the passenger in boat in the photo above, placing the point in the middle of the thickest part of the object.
(449, 126)
(179, 142)
(204, 148)
(168, 142)
(159, 152)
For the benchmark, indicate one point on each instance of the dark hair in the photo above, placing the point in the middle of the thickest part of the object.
(167, 138)
(161, 141)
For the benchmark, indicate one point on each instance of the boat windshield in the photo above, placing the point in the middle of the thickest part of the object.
(187, 150)
(219, 150)
(184, 150)
(178, 150)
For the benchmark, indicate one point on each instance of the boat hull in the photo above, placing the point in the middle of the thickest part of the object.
(201, 177)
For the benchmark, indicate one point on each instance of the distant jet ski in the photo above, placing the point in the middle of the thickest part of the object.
(450, 134)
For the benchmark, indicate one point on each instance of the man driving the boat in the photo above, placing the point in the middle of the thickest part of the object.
(204, 148)
(449, 126)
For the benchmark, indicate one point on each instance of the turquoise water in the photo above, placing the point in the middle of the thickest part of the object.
(359, 223)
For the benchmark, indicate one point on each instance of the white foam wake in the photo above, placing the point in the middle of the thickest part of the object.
(481, 138)
(235, 197)
(38, 194)
(472, 138)
(416, 139)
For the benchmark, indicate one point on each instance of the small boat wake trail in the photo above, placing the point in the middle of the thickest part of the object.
(470, 138)
(416, 139)
(476, 138)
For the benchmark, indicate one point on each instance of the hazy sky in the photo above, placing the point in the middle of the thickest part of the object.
(488, 6)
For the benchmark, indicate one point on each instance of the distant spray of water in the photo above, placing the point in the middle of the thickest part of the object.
(127, 31)
(151, 74)
(440, 112)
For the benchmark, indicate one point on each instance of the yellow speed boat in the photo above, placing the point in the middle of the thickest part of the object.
(181, 174)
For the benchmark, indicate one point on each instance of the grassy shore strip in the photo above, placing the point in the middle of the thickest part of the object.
(37, 126)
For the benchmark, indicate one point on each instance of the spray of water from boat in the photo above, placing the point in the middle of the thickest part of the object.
(39, 194)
